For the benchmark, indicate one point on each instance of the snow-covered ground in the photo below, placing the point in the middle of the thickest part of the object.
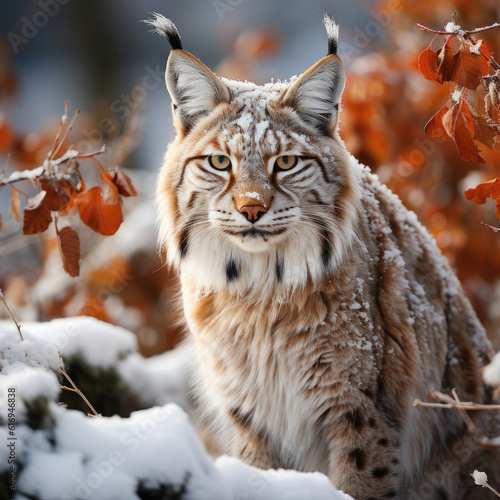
(59, 453)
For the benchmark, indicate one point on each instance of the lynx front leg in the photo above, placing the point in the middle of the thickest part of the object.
(249, 445)
(363, 455)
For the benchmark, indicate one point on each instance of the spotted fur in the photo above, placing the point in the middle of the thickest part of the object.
(319, 319)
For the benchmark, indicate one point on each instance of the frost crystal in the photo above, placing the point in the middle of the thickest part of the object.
(475, 48)
(480, 478)
(451, 27)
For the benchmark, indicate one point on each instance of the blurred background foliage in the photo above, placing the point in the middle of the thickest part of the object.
(96, 54)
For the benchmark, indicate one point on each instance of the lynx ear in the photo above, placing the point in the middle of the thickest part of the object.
(316, 94)
(194, 89)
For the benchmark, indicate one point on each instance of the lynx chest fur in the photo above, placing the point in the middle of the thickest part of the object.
(319, 307)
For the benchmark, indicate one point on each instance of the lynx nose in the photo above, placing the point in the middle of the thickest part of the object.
(253, 212)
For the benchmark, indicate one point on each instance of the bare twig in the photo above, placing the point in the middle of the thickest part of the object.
(68, 130)
(457, 31)
(485, 485)
(494, 63)
(75, 388)
(451, 403)
(485, 28)
(11, 315)
(39, 172)
(493, 228)
(4, 166)
(470, 424)
(485, 442)
(62, 126)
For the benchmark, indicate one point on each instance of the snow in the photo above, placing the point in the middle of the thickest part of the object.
(251, 194)
(100, 344)
(251, 483)
(51, 475)
(70, 455)
(25, 174)
(159, 377)
(451, 27)
(245, 121)
(491, 372)
(480, 478)
(109, 457)
(475, 49)
(260, 129)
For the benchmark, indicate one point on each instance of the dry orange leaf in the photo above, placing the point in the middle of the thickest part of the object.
(437, 66)
(485, 56)
(428, 64)
(15, 204)
(97, 213)
(69, 248)
(37, 216)
(58, 196)
(435, 128)
(446, 60)
(122, 182)
(492, 99)
(458, 123)
(485, 131)
(467, 68)
(489, 189)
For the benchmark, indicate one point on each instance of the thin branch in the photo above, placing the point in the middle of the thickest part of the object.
(494, 63)
(457, 31)
(39, 172)
(83, 156)
(68, 388)
(465, 417)
(485, 442)
(68, 130)
(62, 126)
(75, 388)
(425, 28)
(4, 166)
(486, 485)
(485, 28)
(493, 228)
(450, 403)
(11, 315)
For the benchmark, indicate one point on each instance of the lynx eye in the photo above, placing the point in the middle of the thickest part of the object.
(286, 162)
(220, 162)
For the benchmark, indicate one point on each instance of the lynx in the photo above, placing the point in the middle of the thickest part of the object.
(319, 307)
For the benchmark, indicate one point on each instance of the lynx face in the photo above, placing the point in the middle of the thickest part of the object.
(255, 191)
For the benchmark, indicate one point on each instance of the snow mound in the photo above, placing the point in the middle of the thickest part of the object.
(153, 453)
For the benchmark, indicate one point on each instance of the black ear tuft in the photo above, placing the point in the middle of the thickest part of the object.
(332, 32)
(165, 28)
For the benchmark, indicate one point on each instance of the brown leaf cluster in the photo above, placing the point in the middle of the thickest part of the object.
(62, 188)
(459, 121)
(470, 125)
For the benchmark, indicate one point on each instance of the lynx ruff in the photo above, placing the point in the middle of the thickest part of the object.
(319, 307)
